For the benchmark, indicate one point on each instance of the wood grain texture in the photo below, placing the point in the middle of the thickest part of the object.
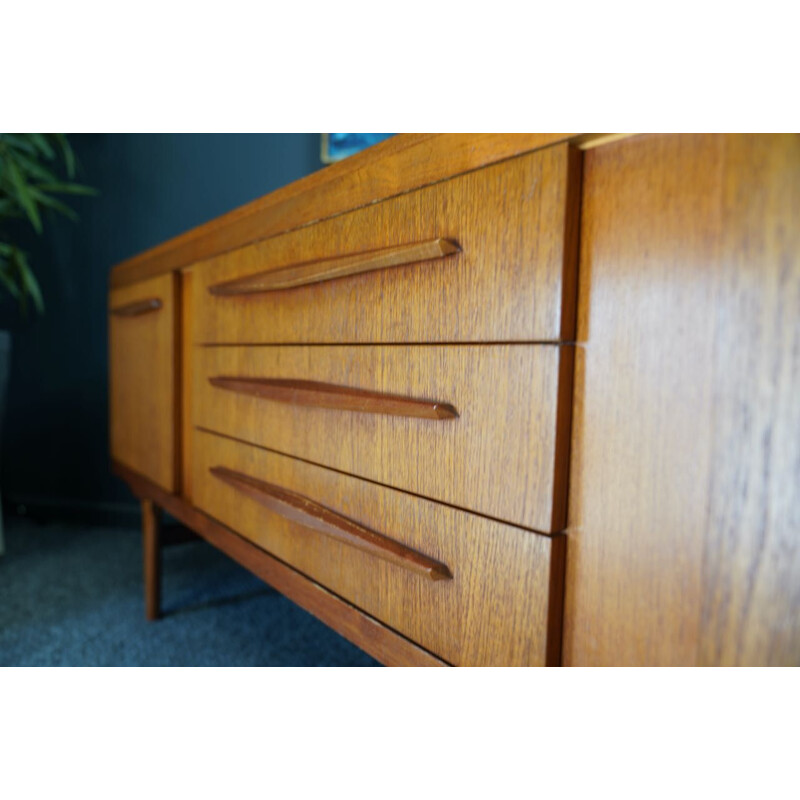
(311, 515)
(370, 635)
(185, 377)
(502, 456)
(151, 556)
(684, 541)
(329, 269)
(327, 395)
(143, 382)
(513, 279)
(393, 167)
(495, 609)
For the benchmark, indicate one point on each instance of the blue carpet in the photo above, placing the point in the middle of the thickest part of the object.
(72, 596)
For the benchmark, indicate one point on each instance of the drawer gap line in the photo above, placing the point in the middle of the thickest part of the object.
(472, 511)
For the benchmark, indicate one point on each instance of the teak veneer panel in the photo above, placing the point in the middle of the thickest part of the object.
(503, 455)
(186, 366)
(684, 540)
(510, 278)
(395, 166)
(498, 607)
(143, 379)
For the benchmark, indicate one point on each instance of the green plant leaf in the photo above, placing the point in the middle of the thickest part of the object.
(7, 279)
(29, 283)
(16, 275)
(51, 202)
(34, 168)
(18, 141)
(66, 152)
(67, 188)
(27, 184)
(8, 208)
(24, 195)
(42, 145)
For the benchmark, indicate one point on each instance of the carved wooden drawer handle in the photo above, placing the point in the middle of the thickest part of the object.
(330, 268)
(328, 395)
(306, 512)
(138, 307)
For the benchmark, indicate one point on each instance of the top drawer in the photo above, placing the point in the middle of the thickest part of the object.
(487, 256)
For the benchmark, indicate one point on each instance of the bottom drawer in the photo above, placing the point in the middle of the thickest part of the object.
(469, 589)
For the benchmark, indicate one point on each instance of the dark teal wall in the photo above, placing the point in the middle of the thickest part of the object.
(153, 187)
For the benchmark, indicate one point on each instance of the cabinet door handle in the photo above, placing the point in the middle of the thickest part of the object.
(297, 508)
(329, 395)
(138, 307)
(339, 267)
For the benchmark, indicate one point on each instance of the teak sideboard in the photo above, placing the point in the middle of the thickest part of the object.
(491, 399)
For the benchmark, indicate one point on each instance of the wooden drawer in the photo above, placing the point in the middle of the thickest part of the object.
(480, 427)
(142, 364)
(486, 256)
(470, 590)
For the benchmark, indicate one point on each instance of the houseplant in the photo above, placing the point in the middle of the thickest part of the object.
(34, 168)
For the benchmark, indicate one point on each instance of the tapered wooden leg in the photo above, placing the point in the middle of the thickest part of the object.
(151, 522)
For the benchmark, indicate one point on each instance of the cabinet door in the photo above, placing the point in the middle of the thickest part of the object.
(143, 379)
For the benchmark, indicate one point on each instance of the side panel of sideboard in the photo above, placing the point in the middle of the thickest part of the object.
(684, 541)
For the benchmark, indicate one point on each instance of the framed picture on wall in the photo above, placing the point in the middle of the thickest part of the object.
(336, 146)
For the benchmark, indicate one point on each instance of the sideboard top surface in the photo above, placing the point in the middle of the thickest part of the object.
(401, 164)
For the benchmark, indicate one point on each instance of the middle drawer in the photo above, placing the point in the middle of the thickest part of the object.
(482, 427)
